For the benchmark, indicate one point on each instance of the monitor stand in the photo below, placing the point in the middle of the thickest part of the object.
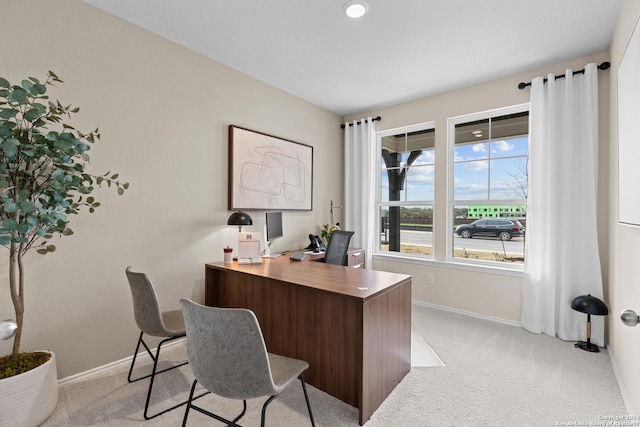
(267, 252)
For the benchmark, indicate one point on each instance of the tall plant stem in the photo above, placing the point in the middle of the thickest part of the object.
(16, 284)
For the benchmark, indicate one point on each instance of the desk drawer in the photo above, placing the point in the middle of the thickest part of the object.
(356, 258)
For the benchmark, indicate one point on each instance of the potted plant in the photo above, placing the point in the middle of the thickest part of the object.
(43, 182)
(327, 231)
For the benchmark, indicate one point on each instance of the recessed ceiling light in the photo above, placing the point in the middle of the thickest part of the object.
(356, 9)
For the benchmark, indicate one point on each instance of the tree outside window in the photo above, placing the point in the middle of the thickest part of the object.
(407, 185)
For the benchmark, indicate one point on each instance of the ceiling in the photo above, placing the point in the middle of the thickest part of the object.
(400, 51)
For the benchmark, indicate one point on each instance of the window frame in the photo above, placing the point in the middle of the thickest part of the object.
(452, 203)
(379, 203)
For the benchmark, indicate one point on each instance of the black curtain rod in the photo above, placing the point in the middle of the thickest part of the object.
(603, 66)
(375, 119)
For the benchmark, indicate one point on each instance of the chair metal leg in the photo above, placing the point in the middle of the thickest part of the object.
(186, 410)
(264, 409)
(306, 398)
(153, 373)
(230, 423)
(190, 405)
(153, 357)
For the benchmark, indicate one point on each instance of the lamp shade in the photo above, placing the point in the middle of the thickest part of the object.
(240, 218)
(590, 305)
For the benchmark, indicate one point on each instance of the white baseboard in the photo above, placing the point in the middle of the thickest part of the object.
(104, 368)
(469, 313)
(623, 392)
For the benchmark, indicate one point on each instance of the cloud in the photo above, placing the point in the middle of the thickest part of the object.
(476, 165)
(502, 146)
(479, 148)
(427, 157)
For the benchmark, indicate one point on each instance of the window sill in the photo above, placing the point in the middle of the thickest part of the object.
(515, 271)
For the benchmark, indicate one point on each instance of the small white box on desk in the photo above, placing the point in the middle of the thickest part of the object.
(248, 245)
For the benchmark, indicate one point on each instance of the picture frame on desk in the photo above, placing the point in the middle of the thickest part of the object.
(268, 172)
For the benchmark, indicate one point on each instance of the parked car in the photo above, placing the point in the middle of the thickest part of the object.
(502, 228)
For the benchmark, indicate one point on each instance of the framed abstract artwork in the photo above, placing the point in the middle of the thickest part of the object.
(268, 172)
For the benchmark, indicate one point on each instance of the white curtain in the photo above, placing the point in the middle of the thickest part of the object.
(359, 192)
(562, 259)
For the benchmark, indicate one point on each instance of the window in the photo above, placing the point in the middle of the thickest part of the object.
(490, 152)
(406, 190)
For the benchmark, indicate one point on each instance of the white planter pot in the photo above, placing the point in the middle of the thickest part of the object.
(28, 399)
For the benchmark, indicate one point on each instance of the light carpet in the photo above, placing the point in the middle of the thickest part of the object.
(493, 375)
(422, 355)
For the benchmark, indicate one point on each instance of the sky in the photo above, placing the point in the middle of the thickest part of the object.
(495, 170)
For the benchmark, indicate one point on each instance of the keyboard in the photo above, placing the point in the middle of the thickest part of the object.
(257, 260)
(271, 256)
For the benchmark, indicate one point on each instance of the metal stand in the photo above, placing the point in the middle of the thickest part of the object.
(587, 346)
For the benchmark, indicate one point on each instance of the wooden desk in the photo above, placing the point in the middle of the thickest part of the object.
(355, 256)
(353, 326)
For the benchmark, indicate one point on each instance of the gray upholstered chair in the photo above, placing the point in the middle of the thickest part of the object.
(228, 357)
(151, 321)
(338, 246)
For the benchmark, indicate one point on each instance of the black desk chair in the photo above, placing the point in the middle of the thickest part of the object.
(338, 246)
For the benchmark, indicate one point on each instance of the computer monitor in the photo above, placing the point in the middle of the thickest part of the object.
(273, 227)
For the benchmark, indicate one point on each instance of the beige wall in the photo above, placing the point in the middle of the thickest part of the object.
(163, 112)
(495, 295)
(624, 275)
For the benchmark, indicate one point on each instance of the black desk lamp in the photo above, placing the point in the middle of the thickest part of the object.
(590, 305)
(240, 218)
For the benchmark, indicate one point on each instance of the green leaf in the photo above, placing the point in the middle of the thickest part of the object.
(19, 95)
(8, 113)
(53, 76)
(39, 89)
(4, 83)
(27, 206)
(9, 206)
(27, 85)
(10, 224)
(32, 115)
(10, 147)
